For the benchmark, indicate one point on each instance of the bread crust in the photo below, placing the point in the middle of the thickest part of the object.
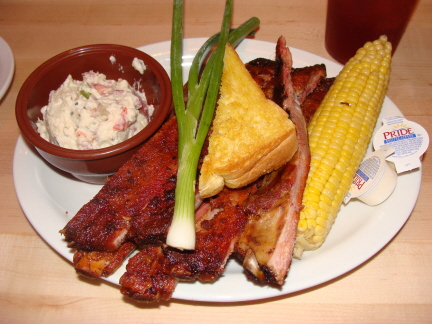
(251, 135)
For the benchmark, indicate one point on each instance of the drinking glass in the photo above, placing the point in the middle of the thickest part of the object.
(352, 23)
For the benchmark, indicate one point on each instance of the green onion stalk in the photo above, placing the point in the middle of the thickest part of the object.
(194, 118)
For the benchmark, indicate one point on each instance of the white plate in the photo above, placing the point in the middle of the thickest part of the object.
(50, 198)
(7, 66)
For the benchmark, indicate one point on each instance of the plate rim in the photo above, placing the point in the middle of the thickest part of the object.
(9, 60)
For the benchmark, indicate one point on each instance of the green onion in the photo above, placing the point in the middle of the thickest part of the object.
(85, 94)
(194, 119)
(235, 37)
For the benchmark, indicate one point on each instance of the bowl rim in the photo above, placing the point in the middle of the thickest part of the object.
(157, 120)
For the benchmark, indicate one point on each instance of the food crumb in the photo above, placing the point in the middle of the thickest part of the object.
(138, 65)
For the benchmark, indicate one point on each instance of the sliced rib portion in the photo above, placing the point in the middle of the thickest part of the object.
(153, 272)
(266, 74)
(266, 245)
(147, 277)
(135, 204)
(96, 264)
(313, 100)
(217, 231)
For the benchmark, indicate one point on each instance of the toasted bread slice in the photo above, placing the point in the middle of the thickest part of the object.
(251, 135)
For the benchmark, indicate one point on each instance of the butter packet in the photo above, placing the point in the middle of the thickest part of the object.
(409, 139)
(375, 179)
(399, 146)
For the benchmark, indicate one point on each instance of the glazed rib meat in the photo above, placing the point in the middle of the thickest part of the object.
(313, 100)
(135, 204)
(95, 264)
(147, 277)
(304, 79)
(220, 220)
(266, 245)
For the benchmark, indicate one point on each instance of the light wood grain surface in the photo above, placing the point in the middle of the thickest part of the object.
(38, 286)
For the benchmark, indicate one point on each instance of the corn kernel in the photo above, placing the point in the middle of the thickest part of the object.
(311, 223)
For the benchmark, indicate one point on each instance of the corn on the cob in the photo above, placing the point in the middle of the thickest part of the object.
(339, 134)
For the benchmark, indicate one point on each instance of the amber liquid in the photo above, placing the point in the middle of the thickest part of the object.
(352, 23)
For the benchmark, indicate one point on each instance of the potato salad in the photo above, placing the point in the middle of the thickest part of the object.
(93, 113)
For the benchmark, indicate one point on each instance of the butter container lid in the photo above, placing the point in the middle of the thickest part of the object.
(409, 140)
(375, 179)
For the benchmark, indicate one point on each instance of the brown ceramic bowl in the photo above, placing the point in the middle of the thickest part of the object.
(92, 166)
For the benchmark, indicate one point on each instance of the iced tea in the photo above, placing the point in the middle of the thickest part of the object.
(352, 23)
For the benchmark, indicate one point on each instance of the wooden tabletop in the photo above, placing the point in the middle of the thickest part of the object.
(37, 285)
